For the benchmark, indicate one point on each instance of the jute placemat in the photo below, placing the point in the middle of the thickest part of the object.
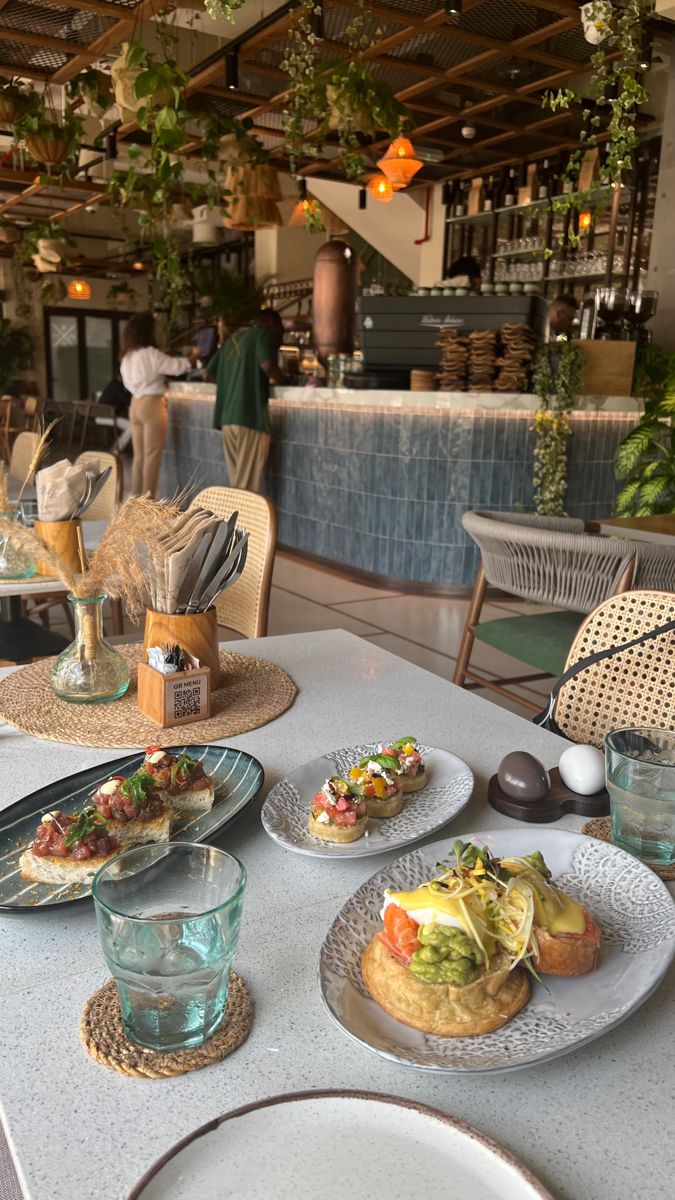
(104, 1039)
(601, 828)
(253, 692)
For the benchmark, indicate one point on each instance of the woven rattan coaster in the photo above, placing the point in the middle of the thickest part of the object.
(600, 828)
(253, 692)
(104, 1038)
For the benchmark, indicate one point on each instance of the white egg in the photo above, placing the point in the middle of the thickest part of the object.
(582, 769)
(424, 916)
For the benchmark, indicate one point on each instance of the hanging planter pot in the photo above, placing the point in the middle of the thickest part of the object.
(12, 102)
(342, 113)
(52, 250)
(596, 19)
(9, 234)
(96, 90)
(43, 265)
(248, 213)
(124, 84)
(51, 147)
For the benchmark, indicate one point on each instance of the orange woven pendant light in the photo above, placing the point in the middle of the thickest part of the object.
(381, 188)
(399, 163)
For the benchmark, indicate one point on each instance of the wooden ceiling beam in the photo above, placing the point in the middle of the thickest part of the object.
(11, 71)
(121, 31)
(95, 198)
(43, 40)
(32, 190)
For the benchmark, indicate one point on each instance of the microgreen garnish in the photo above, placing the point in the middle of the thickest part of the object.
(182, 764)
(89, 821)
(137, 786)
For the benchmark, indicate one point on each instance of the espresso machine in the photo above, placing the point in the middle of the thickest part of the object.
(622, 313)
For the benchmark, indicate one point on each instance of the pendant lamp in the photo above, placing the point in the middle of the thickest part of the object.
(399, 163)
(381, 188)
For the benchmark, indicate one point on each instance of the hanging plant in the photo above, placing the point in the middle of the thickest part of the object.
(645, 459)
(95, 89)
(617, 92)
(557, 378)
(223, 10)
(51, 138)
(13, 100)
(122, 295)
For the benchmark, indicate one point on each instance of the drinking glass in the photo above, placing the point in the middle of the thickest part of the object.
(168, 919)
(640, 768)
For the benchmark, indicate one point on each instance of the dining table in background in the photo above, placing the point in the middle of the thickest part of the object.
(660, 528)
(593, 1124)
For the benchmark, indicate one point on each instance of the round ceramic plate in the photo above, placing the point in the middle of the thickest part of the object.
(630, 904)
(285, 813)
(335, 1144)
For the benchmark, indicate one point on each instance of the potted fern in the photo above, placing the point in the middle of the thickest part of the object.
(645, 459)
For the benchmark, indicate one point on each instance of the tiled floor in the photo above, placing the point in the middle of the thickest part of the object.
(425, 630)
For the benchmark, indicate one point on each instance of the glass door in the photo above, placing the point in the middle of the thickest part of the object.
(82, 351)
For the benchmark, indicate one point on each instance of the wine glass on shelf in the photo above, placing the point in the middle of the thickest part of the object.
(640, 309)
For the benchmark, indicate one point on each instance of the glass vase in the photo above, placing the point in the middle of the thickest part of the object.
(14, 562)
(90, 670)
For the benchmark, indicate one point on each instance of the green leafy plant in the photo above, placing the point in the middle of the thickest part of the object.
(223, 9)
(645, 459)
(95, 87)
(122, 293)
(557, 378)
(52, 139)
(616, 92)
(222, 295)
(16, 351)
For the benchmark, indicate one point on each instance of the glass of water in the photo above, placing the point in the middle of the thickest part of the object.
(640, 766)
(168, 919)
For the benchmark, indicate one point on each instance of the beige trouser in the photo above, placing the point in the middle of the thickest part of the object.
(245, 453)
(149, 416)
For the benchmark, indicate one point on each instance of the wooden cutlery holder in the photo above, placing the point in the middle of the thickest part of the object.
(195, 633)
(66, 538)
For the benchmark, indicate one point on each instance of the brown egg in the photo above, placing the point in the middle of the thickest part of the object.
(523, 777)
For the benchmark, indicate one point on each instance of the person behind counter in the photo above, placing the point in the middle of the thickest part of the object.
(465, 272)
(143, 368)
(561, 317)
(243, 369)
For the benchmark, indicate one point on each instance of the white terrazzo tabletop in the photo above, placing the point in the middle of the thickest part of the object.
(593, 1125)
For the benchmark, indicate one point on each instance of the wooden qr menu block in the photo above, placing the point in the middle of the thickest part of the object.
(174, 699)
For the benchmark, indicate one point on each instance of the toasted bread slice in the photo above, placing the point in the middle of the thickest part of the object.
(386, 806)
(338, 833)
(567, 953)
(189, 802)
(440, 1008)
(137, 832)
(55, 869)
(412, 783)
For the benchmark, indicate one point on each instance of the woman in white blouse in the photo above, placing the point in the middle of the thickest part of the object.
(143, 368)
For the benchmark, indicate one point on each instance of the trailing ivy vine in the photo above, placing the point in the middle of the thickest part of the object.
(645, 459)
(557, 378)
(616, 91)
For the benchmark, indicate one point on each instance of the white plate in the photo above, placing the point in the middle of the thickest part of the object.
(332, 1145)
(285, 813)
(630, 904)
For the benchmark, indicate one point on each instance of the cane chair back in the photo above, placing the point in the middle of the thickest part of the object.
(110, 495)
(23, 451)
(245, 605)
(635, 687)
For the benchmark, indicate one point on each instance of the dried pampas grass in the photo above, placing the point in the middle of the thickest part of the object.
(40, 451)
(5, 502)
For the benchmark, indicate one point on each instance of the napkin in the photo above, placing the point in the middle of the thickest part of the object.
(59, 489)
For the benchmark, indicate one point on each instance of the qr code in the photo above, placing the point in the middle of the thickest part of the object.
(187, 702)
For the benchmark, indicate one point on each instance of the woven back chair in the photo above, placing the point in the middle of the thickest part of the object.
(110, 495)
(245, 605)
(635, 687)
(552, 561)
(22, 455)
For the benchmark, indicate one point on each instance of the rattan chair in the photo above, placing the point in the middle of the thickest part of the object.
(110, 496)
(552, 561)
(245, 605)
(635, 687)
(23, 452)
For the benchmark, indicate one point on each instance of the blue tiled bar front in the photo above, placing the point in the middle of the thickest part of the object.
(379, 482)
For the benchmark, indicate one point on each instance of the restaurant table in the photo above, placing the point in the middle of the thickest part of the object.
(658, 528)
(592, 1125)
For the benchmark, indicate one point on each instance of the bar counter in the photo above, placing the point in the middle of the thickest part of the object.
(378, 480)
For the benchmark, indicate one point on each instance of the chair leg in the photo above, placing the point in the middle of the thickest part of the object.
(472, 618)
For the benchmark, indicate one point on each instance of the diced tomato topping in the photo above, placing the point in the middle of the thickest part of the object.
(342, 805)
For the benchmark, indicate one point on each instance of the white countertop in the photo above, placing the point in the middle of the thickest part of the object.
(591, 1125)
(420, 401)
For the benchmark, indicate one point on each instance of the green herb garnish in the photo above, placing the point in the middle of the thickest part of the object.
(183, 763)
(383, 760)
(137, 786)
(354, 788)
(89, 821)
(398, 745)
(536, 860)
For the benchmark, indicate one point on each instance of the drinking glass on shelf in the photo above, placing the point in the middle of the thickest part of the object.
(168, 919)
(640, 768)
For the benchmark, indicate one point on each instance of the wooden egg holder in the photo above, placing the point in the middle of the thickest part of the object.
(560, 800)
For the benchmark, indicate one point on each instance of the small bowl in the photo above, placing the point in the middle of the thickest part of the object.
(435, 292)
(487, 289)
(448, 291)
(461, 291)
(501, 289)
(420, 291)
(515, 289)
(531, 289)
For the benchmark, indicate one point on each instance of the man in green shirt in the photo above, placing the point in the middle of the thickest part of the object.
(243, 369)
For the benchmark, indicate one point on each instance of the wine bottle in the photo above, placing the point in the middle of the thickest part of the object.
(489, 200)
(510, 189)
(543, 182)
